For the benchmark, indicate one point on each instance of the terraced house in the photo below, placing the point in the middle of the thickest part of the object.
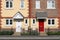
(24, 14)
(44, 15)
(14, 14)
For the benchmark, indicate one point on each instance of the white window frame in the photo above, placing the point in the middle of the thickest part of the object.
(37, 4)
(9, 22)
(9, 4)
(25, 21)
(51, 21)
(49, 5)
(35, 21)
(22, 1)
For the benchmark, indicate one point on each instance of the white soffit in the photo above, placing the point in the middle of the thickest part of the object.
(18, 16)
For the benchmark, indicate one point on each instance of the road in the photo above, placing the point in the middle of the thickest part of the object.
(30, 37)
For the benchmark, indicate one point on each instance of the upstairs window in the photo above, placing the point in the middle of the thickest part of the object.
(50, 4)
(8, 22)
(22, 4)
(37, 4)
(9, 3)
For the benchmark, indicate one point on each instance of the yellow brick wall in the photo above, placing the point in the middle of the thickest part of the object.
(15, 9)
(4, 26)
(34, 26)
(24, 25)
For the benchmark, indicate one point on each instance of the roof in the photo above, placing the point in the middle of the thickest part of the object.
(41, 15)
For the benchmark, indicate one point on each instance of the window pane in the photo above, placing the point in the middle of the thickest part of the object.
(10, 22)
(7, 22)
(10, 4)
(52, 21)
(7, 4)
(26, 21)
(51, 4)
(37, 4)
(49, 21)
(33, 21)
(22, 3)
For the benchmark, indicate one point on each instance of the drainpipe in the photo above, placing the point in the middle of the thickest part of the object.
(29, 14)
(0, 14)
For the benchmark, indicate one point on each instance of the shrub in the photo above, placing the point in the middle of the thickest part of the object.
(6, 32)
(34, 32)
(31, 32)
(53, 33)
(25, 33)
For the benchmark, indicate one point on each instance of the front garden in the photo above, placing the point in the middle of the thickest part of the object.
(53, 31)
(30, 32)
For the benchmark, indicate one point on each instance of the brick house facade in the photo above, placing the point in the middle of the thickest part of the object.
(35, 15)
(51, 13)
(58, 8)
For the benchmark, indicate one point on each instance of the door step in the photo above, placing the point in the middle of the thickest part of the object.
(43, 34)
(17, 34)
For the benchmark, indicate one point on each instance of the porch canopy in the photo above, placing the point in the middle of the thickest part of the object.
(41, 15)
(18, 15)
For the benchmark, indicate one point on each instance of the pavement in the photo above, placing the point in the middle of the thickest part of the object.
(30, 37)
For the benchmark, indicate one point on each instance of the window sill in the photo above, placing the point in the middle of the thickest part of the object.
(22, 9)
(34, 25)
(51, 25)
(51, 8)
(37, 8)
(26, 24)
(8, 25)
(9, 8)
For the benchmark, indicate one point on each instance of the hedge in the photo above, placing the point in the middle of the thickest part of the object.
(6, 32)
(53, 33)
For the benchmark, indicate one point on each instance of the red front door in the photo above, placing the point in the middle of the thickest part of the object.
(41, 25)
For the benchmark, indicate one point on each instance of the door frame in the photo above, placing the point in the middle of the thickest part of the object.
(44, 24)
(19, 27)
